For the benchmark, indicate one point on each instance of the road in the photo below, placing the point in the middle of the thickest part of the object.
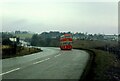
(52, 63)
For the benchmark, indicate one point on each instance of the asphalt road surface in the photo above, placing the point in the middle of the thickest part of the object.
(52, 63)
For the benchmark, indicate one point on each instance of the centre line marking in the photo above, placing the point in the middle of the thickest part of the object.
(47, 59)
(41, 61)
(9, 71)
(57, 55)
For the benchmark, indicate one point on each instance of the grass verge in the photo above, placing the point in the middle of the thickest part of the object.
(20, 51)
(102, 66)
(106, 66)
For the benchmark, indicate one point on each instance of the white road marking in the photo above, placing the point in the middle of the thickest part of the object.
(47, 59)
(36, 58)
(57, 55)
(41, 61)
(9, 71)
(19, 68)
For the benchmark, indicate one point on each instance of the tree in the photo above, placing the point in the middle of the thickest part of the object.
(6, 42)
(34, 40)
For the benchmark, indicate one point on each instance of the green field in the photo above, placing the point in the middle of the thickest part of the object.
(23, 36)
(93, 44)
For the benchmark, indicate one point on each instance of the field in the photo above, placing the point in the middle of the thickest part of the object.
(93, 44)
(23, 36)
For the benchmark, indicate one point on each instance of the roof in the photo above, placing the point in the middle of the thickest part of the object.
(67, 34)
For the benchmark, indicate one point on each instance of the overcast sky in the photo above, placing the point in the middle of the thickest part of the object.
(61, 15)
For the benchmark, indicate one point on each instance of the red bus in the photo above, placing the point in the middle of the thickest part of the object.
(66, 42)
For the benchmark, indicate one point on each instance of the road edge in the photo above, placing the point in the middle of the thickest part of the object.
(86, 76)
